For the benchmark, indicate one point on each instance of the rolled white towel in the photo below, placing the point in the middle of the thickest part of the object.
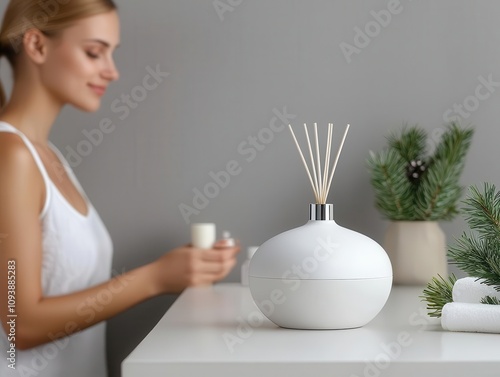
(462, 316)
(471, 290)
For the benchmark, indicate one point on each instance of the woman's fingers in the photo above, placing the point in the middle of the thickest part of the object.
(216, 271)
(219, 255)
(214, 264)
(223, 243)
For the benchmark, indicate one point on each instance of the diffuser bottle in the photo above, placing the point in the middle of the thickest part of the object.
(320, 275)
(246, 265)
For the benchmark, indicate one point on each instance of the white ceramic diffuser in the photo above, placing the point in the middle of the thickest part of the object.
(320, 275)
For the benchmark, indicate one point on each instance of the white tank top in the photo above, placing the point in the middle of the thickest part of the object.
(77, 253)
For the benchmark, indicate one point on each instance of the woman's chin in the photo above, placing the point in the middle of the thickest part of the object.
(89, 107)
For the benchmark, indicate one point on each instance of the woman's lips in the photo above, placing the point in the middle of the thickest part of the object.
(100, 90)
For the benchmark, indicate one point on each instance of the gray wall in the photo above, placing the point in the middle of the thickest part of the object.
(229, 73)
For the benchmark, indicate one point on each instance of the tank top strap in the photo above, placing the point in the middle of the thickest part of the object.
(5, 127)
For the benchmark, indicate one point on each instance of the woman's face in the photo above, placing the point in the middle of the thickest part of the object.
(79, 65)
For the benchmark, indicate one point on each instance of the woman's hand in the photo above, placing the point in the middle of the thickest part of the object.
(189, 266)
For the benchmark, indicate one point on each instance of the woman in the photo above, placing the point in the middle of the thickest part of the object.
(55, 254)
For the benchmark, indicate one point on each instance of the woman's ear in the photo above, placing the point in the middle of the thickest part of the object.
(35, 45)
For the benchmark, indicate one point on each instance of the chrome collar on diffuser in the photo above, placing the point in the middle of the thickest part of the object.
(320, 211)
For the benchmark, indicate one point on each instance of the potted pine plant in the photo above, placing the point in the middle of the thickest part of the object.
(415, 190)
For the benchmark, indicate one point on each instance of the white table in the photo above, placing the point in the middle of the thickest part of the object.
(218, 331)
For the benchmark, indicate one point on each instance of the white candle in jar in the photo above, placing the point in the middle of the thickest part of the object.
(203, 235)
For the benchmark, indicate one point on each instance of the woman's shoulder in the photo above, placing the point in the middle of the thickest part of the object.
(14, 152)
(17, 164)
(19, 174)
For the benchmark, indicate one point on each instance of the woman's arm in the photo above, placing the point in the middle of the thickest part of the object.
(43, 319)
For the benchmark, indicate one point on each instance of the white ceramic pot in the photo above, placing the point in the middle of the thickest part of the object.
(320, 275)
(417, 250)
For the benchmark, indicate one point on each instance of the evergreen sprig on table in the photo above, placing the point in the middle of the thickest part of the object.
(438, 293)
(479, 254)
(476, 254)
(412, 186)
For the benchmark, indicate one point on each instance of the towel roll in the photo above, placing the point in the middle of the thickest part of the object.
(471, 290)
(462, 316)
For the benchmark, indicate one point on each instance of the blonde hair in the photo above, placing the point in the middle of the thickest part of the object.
(49, 16)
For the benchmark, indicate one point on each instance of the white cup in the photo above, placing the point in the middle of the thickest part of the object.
(203, 235)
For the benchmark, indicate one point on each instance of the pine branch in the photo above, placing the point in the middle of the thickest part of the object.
(482, 211)
(490, 300)
(410, 144)
(478, 257)
(432, 191)
(392, 188)
(438, 293)
(454, 144)
(439, 190)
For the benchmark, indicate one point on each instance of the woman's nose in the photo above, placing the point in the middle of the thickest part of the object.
(111, 72)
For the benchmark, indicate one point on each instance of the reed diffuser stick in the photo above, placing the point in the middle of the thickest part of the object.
(327, 162)
(312, 161)
(337, 157)
(304, 161)
(317, 156)
(322, 179)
